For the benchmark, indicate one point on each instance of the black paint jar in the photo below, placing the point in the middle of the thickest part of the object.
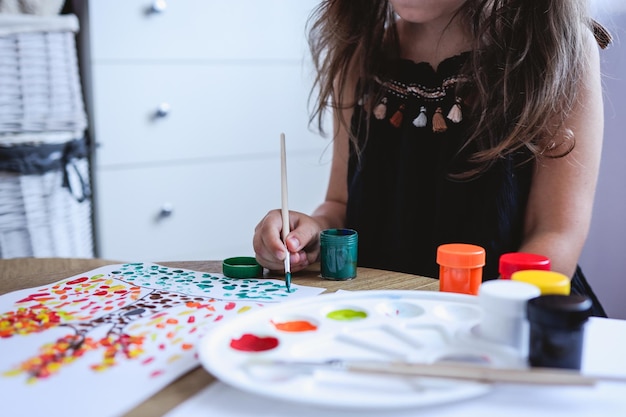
(557, 330)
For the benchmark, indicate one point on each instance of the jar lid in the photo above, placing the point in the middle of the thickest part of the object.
(460, 255)
(505, 297)
(559, 311)
(242, 267)
(518, 261)
(549, 282)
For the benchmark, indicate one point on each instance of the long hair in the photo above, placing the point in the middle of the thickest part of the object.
(528, 60)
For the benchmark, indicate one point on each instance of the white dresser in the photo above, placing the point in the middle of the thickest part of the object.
(187, 100)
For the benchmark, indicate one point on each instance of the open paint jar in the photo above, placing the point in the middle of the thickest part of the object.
(338, 252)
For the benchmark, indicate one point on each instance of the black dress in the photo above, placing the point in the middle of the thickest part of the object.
(401, 198)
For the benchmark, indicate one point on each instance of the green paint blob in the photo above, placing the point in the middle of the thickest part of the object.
(205, 286)
(346, 314)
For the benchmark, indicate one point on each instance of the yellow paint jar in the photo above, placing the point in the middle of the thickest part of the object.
(548, 282)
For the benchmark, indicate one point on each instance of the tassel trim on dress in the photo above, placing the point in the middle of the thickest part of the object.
(396, 119)
(439, 123)
(455, 114)
(380, 111)
(421, 119)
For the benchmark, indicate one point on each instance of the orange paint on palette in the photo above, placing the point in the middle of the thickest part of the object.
(295, 326)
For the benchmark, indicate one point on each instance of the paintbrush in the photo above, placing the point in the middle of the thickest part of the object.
(285, 209)
(535, 376)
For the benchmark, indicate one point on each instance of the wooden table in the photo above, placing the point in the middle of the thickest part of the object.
(22, 273)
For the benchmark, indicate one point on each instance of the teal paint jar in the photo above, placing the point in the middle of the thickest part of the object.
(338, 253)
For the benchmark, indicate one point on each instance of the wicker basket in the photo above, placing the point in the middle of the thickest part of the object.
(41, 218)
(39, 82)
(45, 209)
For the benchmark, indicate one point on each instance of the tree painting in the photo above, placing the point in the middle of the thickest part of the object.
(118, 313)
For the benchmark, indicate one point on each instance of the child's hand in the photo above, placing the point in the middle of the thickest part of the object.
(302, 241)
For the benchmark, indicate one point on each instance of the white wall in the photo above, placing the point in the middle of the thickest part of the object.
(604, 255)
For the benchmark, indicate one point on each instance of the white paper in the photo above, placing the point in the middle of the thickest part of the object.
(101, 342)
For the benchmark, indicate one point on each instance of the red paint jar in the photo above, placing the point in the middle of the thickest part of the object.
(520, 261)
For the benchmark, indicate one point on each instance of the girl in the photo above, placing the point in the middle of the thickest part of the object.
(471, 121)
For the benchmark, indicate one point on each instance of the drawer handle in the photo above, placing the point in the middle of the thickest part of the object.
(162, 110)
(158, 6)
(167, 209)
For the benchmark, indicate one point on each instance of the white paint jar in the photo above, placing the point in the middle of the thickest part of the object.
(504, 312)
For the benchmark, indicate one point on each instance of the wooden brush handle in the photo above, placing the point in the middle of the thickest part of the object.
(541, 376)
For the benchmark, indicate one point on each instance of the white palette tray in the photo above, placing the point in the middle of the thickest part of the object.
(416, 326)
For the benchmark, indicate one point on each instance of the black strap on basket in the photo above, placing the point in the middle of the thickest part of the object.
(42, 158)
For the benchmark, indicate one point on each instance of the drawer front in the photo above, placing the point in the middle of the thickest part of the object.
(211, 111)
(204, 211)
(198, 29)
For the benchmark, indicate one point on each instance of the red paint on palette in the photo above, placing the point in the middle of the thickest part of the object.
(252, 343)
